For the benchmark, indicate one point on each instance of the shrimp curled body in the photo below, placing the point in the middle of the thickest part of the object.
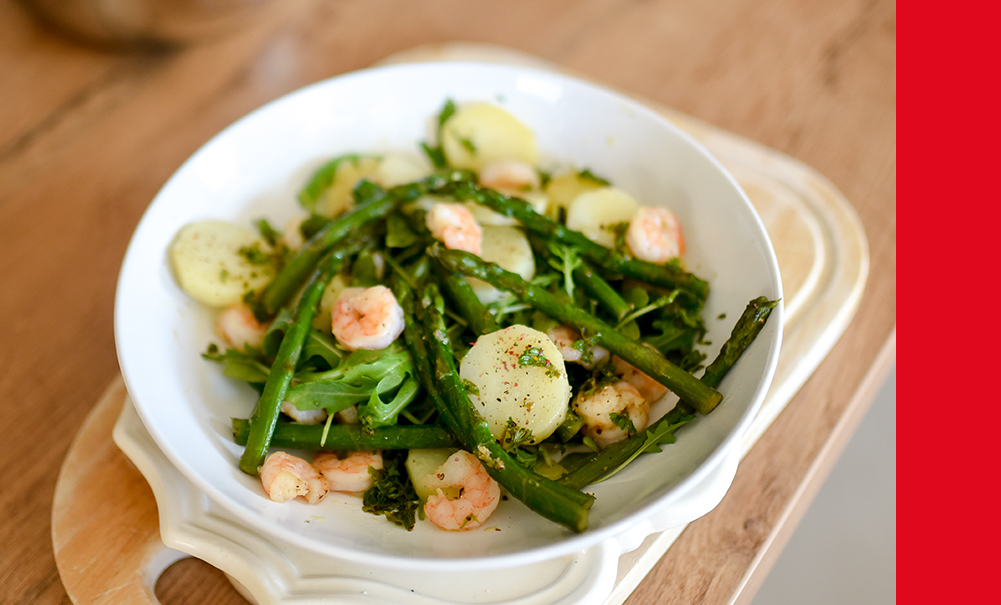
(367, 318)
(654, 235)
(477, 500)
(454, 226)
(509, 176)
(238, 326)
(608, 413)
(285, 477)
(348, 474)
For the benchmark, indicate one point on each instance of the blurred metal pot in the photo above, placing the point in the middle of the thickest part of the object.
(128, 23)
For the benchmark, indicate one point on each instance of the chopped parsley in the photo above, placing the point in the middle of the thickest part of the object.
(533, 356)
(254, 255)
(467, 144)
(269, 233)
(392, 494)
(624, 422)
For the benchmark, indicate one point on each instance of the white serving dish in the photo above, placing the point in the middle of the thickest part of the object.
(255, 167)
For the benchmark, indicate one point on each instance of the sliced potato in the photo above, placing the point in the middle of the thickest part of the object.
(564, 188)
(509, 248)
(423, 463)
(595, 212)
(338, 197)
(479, 133)
(209, 267)
(397, 168)
(322, 321)
(520, 381)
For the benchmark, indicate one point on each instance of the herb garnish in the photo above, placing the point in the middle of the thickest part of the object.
(392, 494)
(533, 356)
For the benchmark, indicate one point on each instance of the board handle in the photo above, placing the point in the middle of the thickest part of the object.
(105, 528)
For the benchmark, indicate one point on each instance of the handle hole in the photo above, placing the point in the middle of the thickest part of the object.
(192, 581)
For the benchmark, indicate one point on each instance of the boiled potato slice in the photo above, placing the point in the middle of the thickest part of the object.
(509, 248)
(423, 463)
(397, 168)
(322, 320)
(517, 376)
(478, 134)
(595, 212)
(338, 197)
(209, 267)
(564, 188)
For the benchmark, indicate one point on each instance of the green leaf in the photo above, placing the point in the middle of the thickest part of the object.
(247, 365)
(377, 413)
(353, 381)
(399, 234)
(322, 179)
(325, 347)
(661, 433)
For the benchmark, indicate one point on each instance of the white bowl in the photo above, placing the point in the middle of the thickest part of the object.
(255, 167)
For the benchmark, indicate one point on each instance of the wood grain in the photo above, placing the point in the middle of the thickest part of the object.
(87, 137)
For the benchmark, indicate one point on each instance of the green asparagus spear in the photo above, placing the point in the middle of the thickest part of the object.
(596, 465)
(646, 359)
(667, 276)
(350, 436)
(551, 500)
(744, 332)
(480, 320)
(265, 416)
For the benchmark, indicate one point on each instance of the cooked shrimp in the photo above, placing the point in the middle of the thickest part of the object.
(478, 496)
(285, 476)
(608, 412)
(238, 326)
(366, 318)
(566, 340)
(304, 416)
(648, 387)
(654, 235)
(348, 474)
(509, 176)
(454, 225)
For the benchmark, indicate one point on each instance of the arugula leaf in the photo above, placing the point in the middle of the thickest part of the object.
(247, 365)
(436, 154)
(322, 179)
(354, 380)
(376, 412)
(660, 433)
(392, 494)
(399, 233)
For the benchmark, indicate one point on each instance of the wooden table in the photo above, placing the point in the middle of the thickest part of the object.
(87, 137)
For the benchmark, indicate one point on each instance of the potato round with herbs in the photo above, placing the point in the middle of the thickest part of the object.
(509, 248)
(596, 213)
(517, 380)
(478, 134)
(217, 262)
